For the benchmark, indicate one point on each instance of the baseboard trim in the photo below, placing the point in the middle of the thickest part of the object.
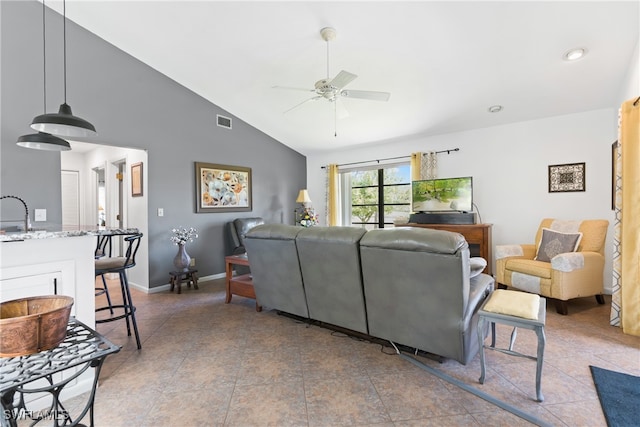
(166, 287)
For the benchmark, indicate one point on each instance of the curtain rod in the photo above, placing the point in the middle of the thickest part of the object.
(393, 158)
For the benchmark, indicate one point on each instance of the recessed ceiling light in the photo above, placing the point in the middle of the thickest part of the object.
(495, 109)
(575, 54)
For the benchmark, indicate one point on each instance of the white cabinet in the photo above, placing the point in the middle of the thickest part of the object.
(62, 266)
(29, 285)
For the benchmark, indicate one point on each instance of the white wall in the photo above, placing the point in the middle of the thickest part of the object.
(509, 165)
(136, 207)
(630, 87)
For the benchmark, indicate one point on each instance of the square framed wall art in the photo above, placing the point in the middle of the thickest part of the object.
(222, 188)
(567, 177)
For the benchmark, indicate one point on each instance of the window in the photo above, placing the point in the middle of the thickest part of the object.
(374, 198)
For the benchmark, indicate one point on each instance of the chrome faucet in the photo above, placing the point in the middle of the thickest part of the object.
(26, 210)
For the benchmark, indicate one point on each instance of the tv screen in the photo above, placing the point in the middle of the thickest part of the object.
(442, 195)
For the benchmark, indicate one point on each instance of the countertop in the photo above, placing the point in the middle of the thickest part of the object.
(61, 232)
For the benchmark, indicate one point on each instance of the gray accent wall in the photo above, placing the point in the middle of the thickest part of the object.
(132, 105)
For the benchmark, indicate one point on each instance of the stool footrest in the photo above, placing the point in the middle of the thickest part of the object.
(511, 352)
(118, 317)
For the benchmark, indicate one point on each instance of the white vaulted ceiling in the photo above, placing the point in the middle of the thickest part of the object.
(444, 63)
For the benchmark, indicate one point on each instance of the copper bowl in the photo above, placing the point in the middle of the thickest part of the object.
(30, 325)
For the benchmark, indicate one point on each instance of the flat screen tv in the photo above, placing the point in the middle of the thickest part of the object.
(442, 195)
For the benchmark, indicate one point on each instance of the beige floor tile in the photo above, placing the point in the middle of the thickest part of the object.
(204, 362)
(275, 404)
(348, 400)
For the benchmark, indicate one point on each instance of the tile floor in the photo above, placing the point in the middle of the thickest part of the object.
(207, 363)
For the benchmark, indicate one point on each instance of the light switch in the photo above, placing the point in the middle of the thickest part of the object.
(160, 212)
(40, 215)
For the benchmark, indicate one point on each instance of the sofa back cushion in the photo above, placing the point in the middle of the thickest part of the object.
(273, 258)
(330, 264)
(416, 285)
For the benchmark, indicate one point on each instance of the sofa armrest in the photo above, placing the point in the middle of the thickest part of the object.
(480, 287)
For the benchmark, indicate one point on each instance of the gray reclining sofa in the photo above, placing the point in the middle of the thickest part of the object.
(411, 286)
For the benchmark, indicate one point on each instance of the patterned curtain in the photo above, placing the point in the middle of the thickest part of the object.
(429, 166)
(626, 307)
(332, 205)
(616, 294)
(424, 165)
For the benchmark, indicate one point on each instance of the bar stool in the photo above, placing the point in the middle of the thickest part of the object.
(520, 310)
(120, 265)
(103, 249)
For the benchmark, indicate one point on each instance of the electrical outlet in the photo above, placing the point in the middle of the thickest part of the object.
(40, 215)
(160, 212)
(192, 263)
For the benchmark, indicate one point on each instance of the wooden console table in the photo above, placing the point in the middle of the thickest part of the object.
(239, 285)
(477, 235)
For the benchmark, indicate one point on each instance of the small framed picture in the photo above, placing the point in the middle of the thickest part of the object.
(136, 179)
(222, 188)
(567, 177)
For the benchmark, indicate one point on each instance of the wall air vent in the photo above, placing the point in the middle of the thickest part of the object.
(224, 122)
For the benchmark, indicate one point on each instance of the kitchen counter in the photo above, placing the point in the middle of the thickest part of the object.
(62, 232)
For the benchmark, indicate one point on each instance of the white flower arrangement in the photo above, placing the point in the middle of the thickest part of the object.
(183, 235)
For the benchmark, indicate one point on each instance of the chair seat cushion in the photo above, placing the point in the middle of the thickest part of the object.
(111, 263)
(513, 303)
(530, 267)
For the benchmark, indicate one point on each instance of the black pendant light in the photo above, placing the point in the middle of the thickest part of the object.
(42, 140)
(63, 122)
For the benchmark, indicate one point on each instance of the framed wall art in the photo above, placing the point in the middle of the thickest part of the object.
(136, 179)
(222, 188)
(567, 177)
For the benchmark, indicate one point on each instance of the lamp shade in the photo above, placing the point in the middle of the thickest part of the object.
(303, 197)
(63, 123)
(43, 141)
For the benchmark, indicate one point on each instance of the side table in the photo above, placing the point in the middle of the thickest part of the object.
(83, 348)
(239, 285)
(190, 275)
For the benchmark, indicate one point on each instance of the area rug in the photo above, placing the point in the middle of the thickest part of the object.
(619, 396)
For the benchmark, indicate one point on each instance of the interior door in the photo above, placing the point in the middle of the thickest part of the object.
(70, 198)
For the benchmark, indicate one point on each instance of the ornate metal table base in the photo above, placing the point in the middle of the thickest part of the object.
(83, 348)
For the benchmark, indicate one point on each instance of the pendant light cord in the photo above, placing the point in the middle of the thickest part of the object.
(44, 56)
(64, 41)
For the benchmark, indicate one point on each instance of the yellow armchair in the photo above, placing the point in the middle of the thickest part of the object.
(566, 261)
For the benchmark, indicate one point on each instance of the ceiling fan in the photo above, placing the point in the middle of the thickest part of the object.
(333, 89)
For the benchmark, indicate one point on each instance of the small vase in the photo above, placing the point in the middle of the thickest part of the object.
(182, 259)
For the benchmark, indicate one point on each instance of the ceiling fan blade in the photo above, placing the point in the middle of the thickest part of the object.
(342, 79)
(314, 98)
(366, 94)
(341, 111)
(293, 88)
